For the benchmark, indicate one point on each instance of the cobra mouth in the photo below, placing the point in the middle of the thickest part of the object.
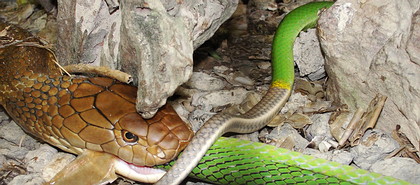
(138, 173)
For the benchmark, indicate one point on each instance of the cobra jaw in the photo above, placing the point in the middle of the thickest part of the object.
(92, 167)
(138, 173)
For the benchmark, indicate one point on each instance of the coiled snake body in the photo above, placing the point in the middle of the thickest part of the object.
(96, 118)
(81, 114)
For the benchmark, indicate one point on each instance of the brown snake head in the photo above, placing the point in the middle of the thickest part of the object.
(133, 139)
(80, 114)
(97, 114)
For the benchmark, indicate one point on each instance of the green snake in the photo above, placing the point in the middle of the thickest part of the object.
(230, 161)
(95, 118)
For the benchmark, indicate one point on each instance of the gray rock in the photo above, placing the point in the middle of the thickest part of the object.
(3, 116)
(413, 46)
(13, 133)
(319, 132)
(2, 160)
(210, 100)
(367, 44)
(280, 134)
(197, 183)
(317, 153)
(402, 168)
(205, 82)
(11, 150)
(39, 158)
(183, 109)
(17, 153)
(340, 156)
(154, 44)
(320, 126)
(308, 56)
(198, 117)
(233, 77)
(375, 146)
(242, 78)
(30, 179)
(250, 137)
(296, 100)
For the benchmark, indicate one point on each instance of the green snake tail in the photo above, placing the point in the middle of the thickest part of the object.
(219, 166)
(234, 161)
(299, 19)
(260, 114)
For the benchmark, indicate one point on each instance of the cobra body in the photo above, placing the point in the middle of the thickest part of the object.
(79, 114)
(257, 163)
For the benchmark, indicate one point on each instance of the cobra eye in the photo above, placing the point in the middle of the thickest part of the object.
(129, 137)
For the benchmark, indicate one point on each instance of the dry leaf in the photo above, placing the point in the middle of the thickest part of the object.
(368, 119)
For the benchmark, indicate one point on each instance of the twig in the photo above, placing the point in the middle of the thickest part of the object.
(101, 70)
(11, 44)
(351, 127)
(21, 140)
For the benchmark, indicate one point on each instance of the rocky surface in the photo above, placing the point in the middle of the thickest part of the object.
(140, 38)
(231, 73)
(370, 49)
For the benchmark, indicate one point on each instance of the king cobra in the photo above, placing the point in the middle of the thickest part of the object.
(96, 119)
(84, 115)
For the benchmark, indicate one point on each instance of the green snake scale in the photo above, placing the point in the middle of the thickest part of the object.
(235, 161)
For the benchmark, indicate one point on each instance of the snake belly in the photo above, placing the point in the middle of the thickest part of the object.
(78, 114)
(229, 164)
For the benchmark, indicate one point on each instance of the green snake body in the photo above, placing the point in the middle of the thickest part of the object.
(231, 161)
(235, 161)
